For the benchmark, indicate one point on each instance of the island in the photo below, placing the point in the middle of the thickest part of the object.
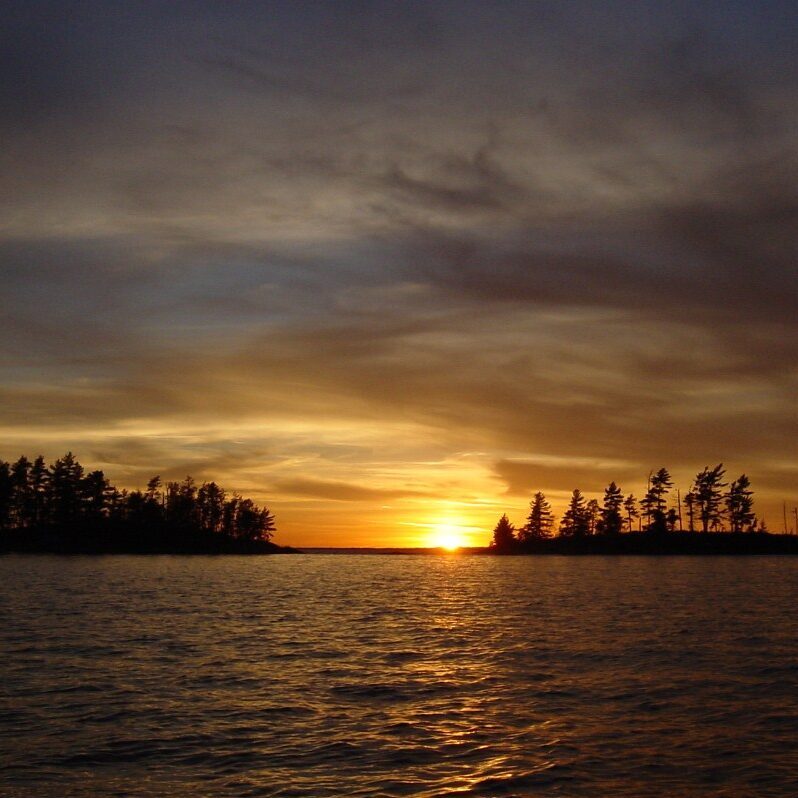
(61, 508)
(713, 517)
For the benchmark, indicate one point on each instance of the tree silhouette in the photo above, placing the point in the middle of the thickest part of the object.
(21, 492)
(6, 495)
(504, 535)
(539, 522)
(611, 519)
(66, 475)
(690, 501)
(739, 505)
(630, 506)
(40, 486)
(708, 494)
(592, 512)
(654, 500)
(574, 521)
(63, 499)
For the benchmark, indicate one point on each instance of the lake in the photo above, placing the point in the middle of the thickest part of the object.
(356, 675)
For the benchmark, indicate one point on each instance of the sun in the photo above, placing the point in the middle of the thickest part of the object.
(446, 536)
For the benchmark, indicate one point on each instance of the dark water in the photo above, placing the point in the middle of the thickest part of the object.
(327, 675)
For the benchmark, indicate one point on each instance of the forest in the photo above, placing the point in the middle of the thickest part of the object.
(63, 507)
(715, 515)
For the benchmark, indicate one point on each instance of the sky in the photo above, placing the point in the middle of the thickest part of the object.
(391, 267)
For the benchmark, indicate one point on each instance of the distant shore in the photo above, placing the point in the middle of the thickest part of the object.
(672, 543)
(132, 541)
(628, 544)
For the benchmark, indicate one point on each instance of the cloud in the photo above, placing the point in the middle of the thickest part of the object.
(341, 491)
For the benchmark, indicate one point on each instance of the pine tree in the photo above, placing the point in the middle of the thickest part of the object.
(65, 483)
(739, 505)
(654, 500)
(708, 496)
(504, 535)
(539, 521)
(691, 501)
(574, 521)
(611, 519)
(21, 500)
(6, 494)
(630, 506)
(40, 485)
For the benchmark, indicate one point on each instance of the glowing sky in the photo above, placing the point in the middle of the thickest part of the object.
(385, 266)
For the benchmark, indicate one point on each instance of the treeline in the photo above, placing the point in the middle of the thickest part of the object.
(711, 505)
(64, 503)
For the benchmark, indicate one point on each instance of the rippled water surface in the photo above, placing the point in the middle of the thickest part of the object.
(337, 675)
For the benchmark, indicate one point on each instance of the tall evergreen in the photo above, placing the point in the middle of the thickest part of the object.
(66, 475)
(540, 520)
(739, 505)
(630, 507)
(708, 490)
(654, 502)
(611, 518)
(504, 535)
(691, 502)
(574, 522)
(6, 495)
(21, 492)
(40, 486)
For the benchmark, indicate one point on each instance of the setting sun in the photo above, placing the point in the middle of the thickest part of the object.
(446, 536)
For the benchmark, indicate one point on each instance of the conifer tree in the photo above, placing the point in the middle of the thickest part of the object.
(708, 496)
(539, 521)
(611, 519)
(690, 501)
(504, 535)
(21, 501)
(654, 500)
(574, 520)
(6, 494)
(739, 505)
(39, 484)
(630, 506)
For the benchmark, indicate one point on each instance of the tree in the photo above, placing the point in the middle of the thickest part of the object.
(181, 503)
(611, 519)
(539, 521)
(630, 505)
(6, 494)
(671, 519)
(592, 512)
(691, 501)
(210, 501)
(252, 522)
(708, 495)
(739, 505)
(21, 496)
(66, 475)
(654, 501)
(40, 485)
(574, 521)
(94, 487)
(504, 535)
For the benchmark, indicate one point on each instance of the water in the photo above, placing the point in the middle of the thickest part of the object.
(324, 675)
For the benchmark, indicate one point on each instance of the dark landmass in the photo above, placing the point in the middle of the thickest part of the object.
(127, 539)
(642, 543)
(63, 509)
(392, 550)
